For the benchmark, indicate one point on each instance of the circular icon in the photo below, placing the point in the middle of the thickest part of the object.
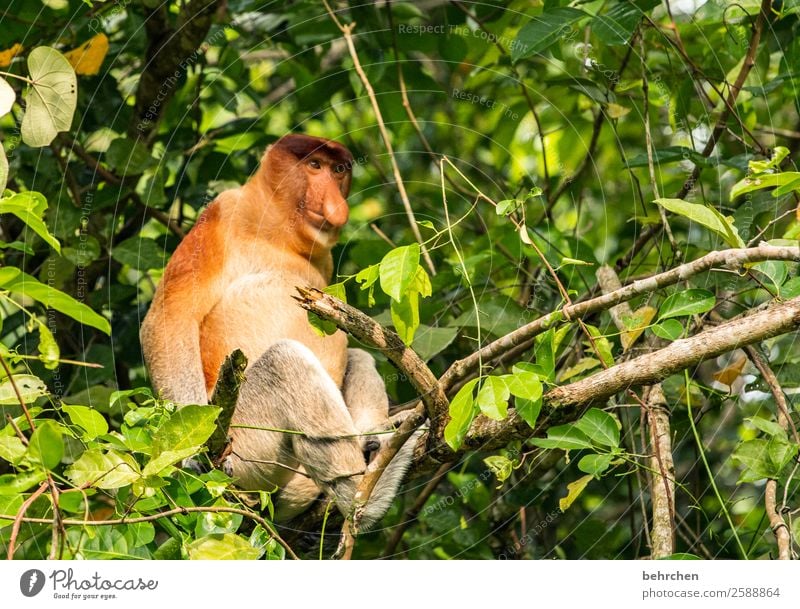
(31, 582)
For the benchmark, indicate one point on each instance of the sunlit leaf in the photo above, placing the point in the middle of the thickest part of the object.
(397, 270)
(574, 489)
(7, 98)
(707, 216)
(29, 386)
(51, 99)
(600, 427)
(687, 302)
(46, 445)
(55, 299)
(462, 411)
(222, 547)
(91, 422)
(493, 397)
(105, 470)
(29, 207)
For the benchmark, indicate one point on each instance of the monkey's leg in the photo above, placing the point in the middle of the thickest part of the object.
(365, 395)
(288, 389)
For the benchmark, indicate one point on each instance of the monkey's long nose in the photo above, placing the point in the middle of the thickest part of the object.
(335, 209)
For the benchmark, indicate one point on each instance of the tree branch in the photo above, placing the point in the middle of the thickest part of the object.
(567, 403)
(362, 327)
(226, 393)
(731, 259)
(170, 51)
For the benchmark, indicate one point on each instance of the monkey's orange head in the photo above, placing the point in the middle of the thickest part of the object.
(311, 176)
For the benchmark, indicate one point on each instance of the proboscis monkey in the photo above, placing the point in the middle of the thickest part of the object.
(229, 285)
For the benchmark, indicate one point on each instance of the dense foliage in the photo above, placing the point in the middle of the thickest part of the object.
(536, 140)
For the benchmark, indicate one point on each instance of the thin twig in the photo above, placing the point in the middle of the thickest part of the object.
(347, 32)
(19, 518)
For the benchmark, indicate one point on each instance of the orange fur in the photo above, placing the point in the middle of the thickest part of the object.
(229, 283)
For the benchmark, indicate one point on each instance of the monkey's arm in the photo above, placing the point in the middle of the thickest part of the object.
(170, 333)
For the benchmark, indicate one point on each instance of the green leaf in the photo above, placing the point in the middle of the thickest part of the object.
(11, 449)
(775, 270)
(10, 505)
(595, 465)
(527, 390)
(367, 278)
(167, 459)
(49, 353)
(430, 341)
(686, 302)
(91, 422)
(55, 299)
(669, 329)
(109, 470)
(8, 274)
(398, 269)
(128, 157)
(602, 344)
(706, 216)
(582, 365)
(574, 489)
(405, 316)
(462, 411)
(51, 99)
(14, 484)
(507, 206)
(189, 427)
(785, 181)
(29, 386)
(500, 466)
(617, 25)
(337, 290)
(754, 457)
(139, 253)
(29, 206)
(493, 398)
(600, 427)
(545, 353)
(790, 289)
(564, 437)
(781, 452)
(46, 445)
(542, 31)
(222, 547)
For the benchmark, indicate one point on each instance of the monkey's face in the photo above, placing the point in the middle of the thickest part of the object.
(323, 209)
(310, 177)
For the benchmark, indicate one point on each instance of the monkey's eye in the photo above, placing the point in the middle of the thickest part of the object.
(314, 164)
(340, 168)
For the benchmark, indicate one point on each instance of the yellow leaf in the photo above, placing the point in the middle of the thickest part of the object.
(731, 372)
(87, 58)
(574, 489)
(635, 325)
(9, 54)
(616, 111)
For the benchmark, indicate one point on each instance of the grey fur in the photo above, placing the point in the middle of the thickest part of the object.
(288, 389)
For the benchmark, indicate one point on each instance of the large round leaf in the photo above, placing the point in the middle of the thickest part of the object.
(7, 97)
(51, 99)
